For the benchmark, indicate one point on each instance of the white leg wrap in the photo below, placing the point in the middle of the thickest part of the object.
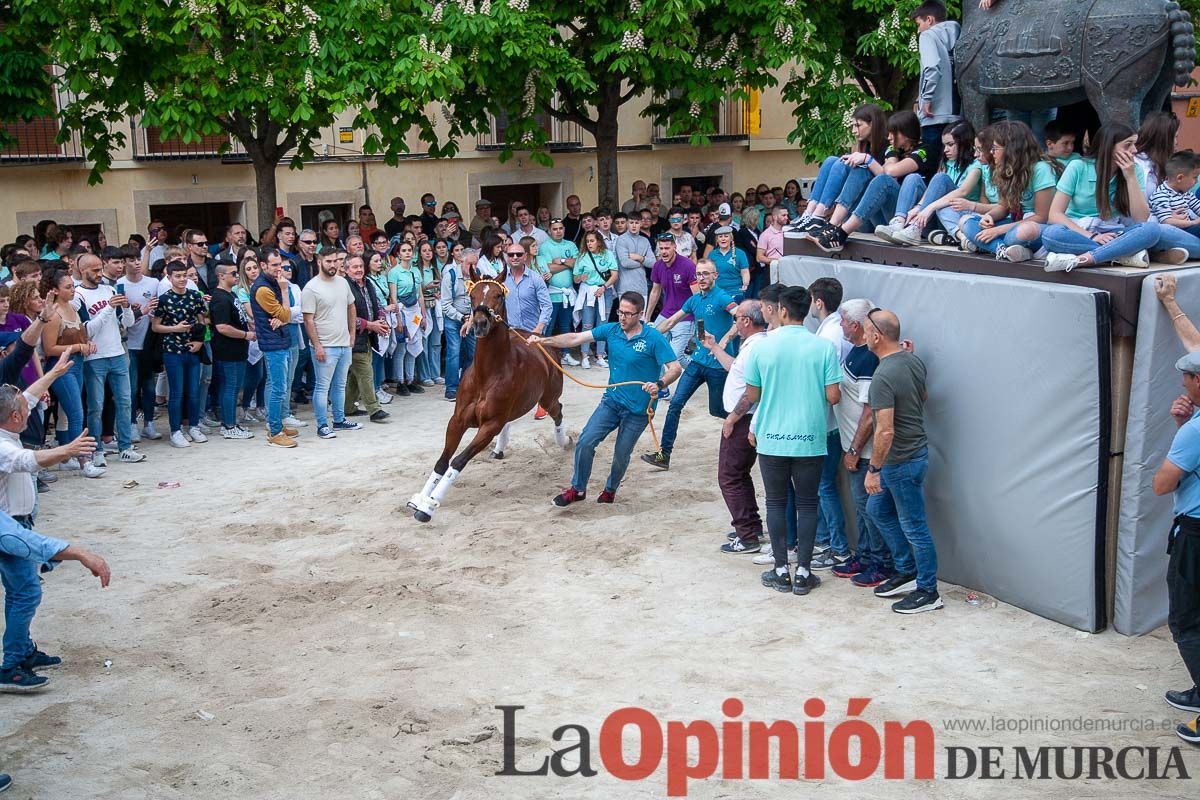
(501, 440)
(439, 491)
(560, 435)
(429, 484)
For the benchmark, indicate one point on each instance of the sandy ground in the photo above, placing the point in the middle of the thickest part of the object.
(344, 650)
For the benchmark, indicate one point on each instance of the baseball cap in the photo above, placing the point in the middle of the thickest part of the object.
(1189, 363)
(724, 211)
(483, 201)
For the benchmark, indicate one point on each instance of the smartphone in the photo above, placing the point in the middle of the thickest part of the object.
(700, 331)
(120, 288)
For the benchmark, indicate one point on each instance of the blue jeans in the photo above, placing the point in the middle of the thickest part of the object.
(230, 377)
(912, 190)
(819, 188)
(254, 384)
(872, 549)
(1142, 236)
(183, 378)
(971, 229)
(113, 372)
(305, 377)
(831, 521)
(899, 511)
(331, 384)
(22, 596)
(695, 376)
(843, 185)
(1187, 238)
(377, 370)
(460, 352)
(608, 417)
(878, 202)
(404, 364)
(429, 363)
(293, 360)
(678, 337)
(589, 320)
(278, 386)
(68, 391)
(141, 390)
(562, 319)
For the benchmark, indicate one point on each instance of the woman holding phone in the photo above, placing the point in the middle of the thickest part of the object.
(67, 338)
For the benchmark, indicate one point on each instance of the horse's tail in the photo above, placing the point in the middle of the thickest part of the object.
(1183, 43)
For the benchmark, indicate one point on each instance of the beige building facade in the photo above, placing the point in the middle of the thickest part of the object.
(194, 185)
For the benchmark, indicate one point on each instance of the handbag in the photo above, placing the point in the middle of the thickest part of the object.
(604, 273)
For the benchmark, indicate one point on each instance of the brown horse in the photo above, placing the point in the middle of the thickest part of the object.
(505, 381)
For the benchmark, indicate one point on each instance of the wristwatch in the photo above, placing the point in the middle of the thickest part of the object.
(660, 384)
(852, 451)
(871, 468)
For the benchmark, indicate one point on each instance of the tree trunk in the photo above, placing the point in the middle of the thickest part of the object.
(264, 191)
(607, 187)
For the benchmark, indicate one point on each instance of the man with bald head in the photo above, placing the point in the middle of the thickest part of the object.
(899, 460)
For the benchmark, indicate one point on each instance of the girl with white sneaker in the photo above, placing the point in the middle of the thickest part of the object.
(595, 272)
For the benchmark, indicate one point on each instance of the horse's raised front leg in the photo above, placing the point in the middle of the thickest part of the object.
(427, 500)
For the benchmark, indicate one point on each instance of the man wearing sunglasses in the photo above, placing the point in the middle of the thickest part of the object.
(429, 216)
(527, 304)
(685, 243)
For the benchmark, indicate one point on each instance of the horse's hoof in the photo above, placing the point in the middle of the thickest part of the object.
(498, 456)
(421, 516)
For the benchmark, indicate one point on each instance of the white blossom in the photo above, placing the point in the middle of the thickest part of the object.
(148, 93)
(485, 7)
(314, 46)
(309, 83)
(635, 6)
(468, 7)
(784, 32)
(895, 19)
(310, 16)
(446, 51)
(438, 10)
(815, 114)
(912, 43)
(95, 25)
(269, 81)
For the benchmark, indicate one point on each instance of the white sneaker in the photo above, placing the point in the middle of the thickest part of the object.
(601, 361)
(428, 382)
(131, 457)
(98, 459)
(150, 432)
(886, 232)
(1016, 253)
(292, 422)
(587, 363)
(383, 397)
(135, 435)
(1060, 262)
(236, 433)
(178, 440)
(908, 235)
(1140, 260)
(111, 447)
(439, 380)
(766, 557)
(197, 435)
(70, 465)
(90, 470)
(569, 360)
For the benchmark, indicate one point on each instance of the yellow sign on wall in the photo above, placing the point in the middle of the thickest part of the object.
(346, 135)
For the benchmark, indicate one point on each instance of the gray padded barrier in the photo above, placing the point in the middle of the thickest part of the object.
(1017, 417)
(1141, 566)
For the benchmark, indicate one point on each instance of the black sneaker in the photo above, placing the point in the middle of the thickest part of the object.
(918, 601)
(942, 238)
(802, 585)
(831, 239)
(19, 680)
(822, 559)
(773, 580)
(1189, 731)
(813, 226)
(380, 416)
(897, 584)
(658, 459)
(356, 412)
(402, 390)
(740, 546)
(416, 388)
(5, 782)
(1185, 701)
(731, 535)
(39, 660)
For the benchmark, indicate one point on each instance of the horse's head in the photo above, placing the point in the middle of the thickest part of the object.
(487, 304)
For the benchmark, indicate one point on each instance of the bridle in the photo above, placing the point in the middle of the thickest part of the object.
(491, 312)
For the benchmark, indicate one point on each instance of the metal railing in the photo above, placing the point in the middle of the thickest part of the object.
(148, 145)
(563, 135)
(35, 142)
(729, 117)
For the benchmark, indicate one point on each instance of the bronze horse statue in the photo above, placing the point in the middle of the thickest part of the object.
(504, 382)
(1121, 55)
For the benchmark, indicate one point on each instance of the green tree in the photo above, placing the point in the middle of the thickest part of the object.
(582, 61)
(271, 75)
(25, 88)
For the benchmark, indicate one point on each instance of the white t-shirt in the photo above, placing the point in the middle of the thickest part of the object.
(139, 293)
(327, 300)
(104, 321)
(735, 382)
(830, 329)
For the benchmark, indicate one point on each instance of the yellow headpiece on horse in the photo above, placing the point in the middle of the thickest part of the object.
(472, 284)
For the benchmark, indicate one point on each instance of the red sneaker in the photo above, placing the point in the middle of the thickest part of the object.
(606, 497)
(569, 495)
(540, 413)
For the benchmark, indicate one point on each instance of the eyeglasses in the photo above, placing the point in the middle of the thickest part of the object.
(996, 147)
(628, 313)
(705, 274)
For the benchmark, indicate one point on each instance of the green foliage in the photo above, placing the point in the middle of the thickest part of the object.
(852, 52)
(25, 90)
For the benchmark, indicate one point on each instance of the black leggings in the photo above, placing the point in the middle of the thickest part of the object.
(803, 474)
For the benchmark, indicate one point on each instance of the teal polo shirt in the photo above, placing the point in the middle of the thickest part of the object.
(641, 358)
(716, 310)
(729, 269)
(792, 367)
(548, 251)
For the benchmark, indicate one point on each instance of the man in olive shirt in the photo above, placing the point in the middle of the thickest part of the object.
(896, 474)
